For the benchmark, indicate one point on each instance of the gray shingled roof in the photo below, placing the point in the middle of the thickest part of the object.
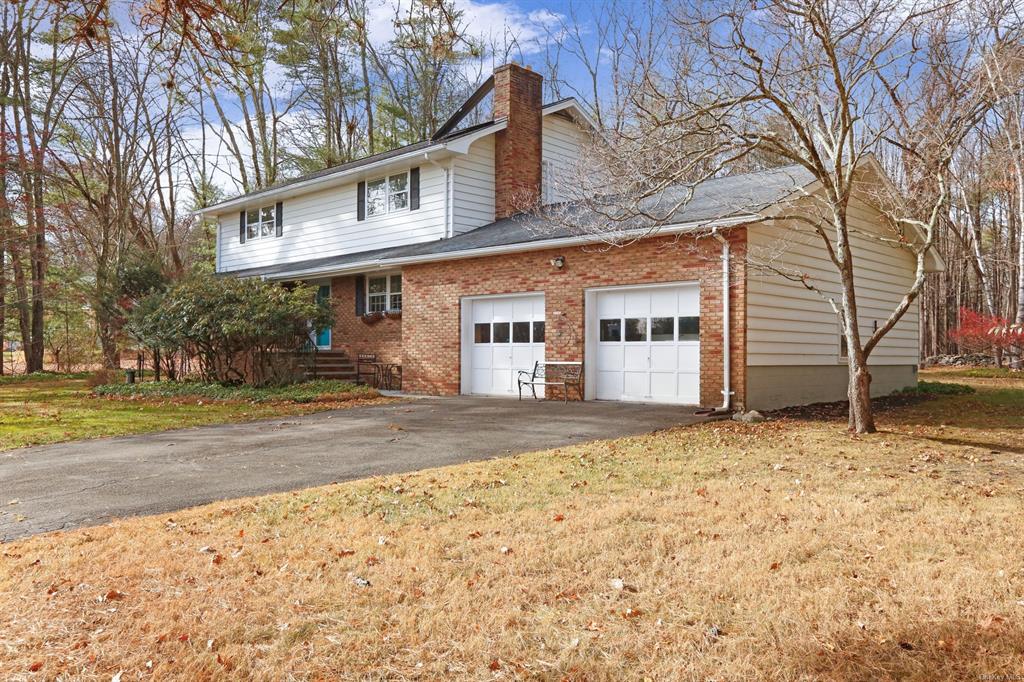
(720, 198)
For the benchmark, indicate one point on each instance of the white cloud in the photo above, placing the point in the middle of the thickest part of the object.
(491, 22)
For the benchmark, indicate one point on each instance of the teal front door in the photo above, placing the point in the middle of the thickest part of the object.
(323, 336)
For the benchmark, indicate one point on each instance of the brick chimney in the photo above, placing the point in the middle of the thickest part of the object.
(517, 148)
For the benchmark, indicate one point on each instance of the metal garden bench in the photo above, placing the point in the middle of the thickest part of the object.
(564, 374)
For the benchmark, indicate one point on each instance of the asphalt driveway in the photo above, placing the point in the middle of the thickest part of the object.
(90, 482)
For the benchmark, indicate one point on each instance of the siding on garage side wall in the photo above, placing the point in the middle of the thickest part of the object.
(473, 178)
(561, 142)
(787, 324)
(323, 223)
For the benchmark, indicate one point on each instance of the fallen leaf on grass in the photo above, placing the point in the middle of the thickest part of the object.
(35, 667)
(990, 622)
(775, 566)
(114, 595)
(345, 552)
(559, 517)
(494, 664)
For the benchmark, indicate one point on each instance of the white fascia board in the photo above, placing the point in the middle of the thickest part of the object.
(577, 112)
(519, 247)
(459, 145)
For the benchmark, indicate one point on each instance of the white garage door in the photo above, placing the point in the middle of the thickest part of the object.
(506, 335)
(648, 344)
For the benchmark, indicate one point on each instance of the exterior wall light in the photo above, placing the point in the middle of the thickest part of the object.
(558, 262)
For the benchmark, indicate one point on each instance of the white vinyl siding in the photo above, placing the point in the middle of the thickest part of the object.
(323, 223)
(787, 324)
(561, 142)
(473, 195)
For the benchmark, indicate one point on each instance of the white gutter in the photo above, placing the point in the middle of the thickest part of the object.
(726, 331)
(519, 247)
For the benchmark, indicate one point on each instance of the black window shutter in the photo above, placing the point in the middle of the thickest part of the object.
(279, 218)
(241, 227)
(360, 294)
(361, 201)
(414, 189)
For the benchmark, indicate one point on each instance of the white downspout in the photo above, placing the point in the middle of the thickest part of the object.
(448, 227)
(726, 331)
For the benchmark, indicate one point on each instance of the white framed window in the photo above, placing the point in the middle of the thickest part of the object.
(260, 223)
(383, 292)
(388, 194)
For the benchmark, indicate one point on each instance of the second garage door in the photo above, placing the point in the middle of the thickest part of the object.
(647, 342)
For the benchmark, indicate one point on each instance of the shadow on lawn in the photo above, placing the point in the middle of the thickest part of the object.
(990, 648)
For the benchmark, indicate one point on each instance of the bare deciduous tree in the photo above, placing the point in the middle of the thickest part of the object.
(826, 87)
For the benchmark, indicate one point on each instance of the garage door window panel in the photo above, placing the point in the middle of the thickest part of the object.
(663, 329)
(636, 329)
(481, 332)
(611, 331)
(500, 332)
(689, 328)
(520, 332)
(538, 332)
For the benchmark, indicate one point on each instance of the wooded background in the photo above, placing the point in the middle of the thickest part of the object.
(119, 119)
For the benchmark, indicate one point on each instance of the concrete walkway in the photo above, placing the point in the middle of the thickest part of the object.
(90, 482)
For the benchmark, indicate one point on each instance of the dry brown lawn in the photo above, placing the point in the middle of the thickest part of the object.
(786, 550)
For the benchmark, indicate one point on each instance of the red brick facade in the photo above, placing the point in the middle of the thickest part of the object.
(517, 149)
(352, 335)
(432, 294)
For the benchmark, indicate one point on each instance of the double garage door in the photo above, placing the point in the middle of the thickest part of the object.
(642, 343)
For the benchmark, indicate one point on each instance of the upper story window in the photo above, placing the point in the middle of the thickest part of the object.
(387, 195)
(260, 223)
(383, 293)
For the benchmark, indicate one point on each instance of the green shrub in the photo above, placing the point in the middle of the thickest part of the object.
(938, 388)
(241, 331)
(305, 392)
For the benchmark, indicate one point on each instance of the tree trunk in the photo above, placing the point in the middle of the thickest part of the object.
(862, 418)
